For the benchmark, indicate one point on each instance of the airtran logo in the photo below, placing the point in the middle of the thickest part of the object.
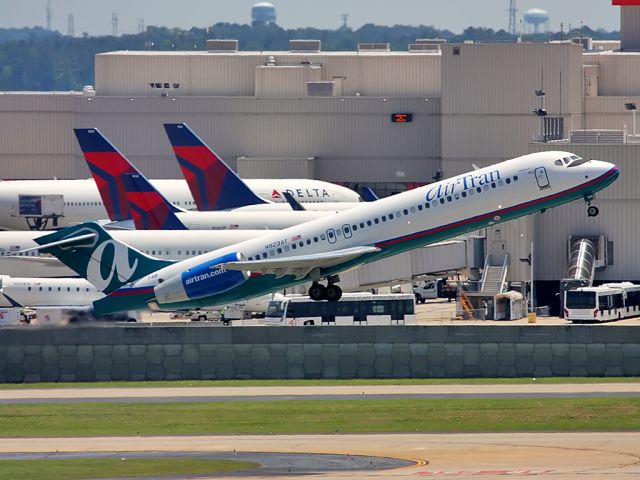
(205, 276)
(461, 184)
(110, 260)
(303, 193)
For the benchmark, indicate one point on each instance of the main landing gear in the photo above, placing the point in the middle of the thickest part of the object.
(592, 210)
(331, 292)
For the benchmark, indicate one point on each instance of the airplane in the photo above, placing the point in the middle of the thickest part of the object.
(215, 186)
(151, 211)
(323, 248)
(177, 246)
(77, 201)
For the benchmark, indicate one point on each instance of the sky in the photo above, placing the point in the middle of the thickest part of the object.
(94, 17)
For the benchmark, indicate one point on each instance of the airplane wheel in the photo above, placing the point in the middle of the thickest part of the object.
(334, 293)
(593, 211)
(317, 292)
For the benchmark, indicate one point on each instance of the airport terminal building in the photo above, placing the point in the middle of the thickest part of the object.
(393, 120)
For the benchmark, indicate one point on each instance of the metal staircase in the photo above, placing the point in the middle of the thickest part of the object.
(493, 277)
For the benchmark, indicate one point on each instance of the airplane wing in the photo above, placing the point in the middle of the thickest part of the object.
(300, 265)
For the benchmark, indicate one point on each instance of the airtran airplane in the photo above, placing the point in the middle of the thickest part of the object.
(323, 248)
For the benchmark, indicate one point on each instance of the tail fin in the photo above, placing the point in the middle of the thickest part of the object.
(150, 210)
(213, 184)
(107, 263)
(368, 194)
(107, 166)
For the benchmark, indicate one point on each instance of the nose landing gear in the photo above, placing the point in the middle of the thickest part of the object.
(592, 210)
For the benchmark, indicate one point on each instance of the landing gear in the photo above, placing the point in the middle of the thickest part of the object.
(317, 292)
(334, 293)
(331, 292)
(592, 210)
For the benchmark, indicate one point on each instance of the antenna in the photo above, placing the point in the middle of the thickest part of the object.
(344, 17)
(512, 17)
(114, 24)
(141, 25)
(49, 13)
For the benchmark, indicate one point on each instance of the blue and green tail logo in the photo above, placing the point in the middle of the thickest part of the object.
(92, 253)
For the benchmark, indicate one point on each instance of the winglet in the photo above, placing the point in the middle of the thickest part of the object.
(107, 166)
(213, 184)
(150, 210)
(368, 194)
(295, 205)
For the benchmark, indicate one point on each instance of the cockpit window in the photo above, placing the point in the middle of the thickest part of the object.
(559, 163)
(566, 160)
(575, 161)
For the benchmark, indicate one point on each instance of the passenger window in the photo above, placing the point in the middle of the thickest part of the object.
(515, 178)
(279, 250)
(479, 190)
(361, 224)
(500, 183)
(354, 227)
(384, 218)
(315, 239)
(368, 223)
(323, 237)
(442, 201)
(264, 255)
(508, 180)
(309, 241)
(391, 216)
(376, 221)
(271, 253)
(413, 210)
(420, 207)
(294, 246)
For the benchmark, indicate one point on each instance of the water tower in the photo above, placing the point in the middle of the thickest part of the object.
(536, 18)
(263, 12)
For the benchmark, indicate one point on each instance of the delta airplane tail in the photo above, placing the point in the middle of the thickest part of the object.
(213, 184)
(92, 253)
(149, 209)
(107, 166)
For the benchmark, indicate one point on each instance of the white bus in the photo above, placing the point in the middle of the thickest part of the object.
(611, 301)
(351, 309)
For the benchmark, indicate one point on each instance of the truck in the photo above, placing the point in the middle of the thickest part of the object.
(437, 288)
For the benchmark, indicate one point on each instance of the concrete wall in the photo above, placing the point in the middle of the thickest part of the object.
(207, 352)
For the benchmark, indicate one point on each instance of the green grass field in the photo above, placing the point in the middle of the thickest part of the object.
(75, 469)
(293, 383)
(310, 416)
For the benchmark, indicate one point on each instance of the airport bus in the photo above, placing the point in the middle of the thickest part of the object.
(351, 309)
(611, 301)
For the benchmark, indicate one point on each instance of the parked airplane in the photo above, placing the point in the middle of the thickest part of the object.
(151, 211)
(53, 204)
(327, 246)
(215, 186)
(56, 299)
(177, 246)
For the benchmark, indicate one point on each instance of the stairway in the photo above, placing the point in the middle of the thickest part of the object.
(493, 277)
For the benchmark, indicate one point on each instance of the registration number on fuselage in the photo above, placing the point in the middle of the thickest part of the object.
(278, 243)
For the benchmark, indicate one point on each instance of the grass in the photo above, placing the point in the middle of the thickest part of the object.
(75, 469)
(299, 383)
(309, 416)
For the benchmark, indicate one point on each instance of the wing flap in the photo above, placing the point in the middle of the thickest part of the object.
(300, 265)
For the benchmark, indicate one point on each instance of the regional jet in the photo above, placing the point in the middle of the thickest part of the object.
(325, 247)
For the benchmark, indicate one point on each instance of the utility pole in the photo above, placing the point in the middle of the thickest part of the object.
(344, 17)
(114, 24)
(141, 25)
(71, 29)
(512, 17)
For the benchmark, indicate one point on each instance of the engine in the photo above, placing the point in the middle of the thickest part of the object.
(201, 281)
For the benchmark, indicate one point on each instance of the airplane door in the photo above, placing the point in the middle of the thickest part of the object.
(542, 178)
(331, 235)
(346, 229)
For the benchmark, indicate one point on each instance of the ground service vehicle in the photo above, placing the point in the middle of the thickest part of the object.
(351, 309)
(611, 301)
(430, 289)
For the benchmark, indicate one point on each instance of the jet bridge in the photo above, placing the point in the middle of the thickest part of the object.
(586, 255)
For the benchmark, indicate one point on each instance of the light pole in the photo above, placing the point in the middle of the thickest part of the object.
(541, 112)
(631, 107)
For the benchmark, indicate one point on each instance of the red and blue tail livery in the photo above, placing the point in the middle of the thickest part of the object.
(213, 184)
(149, 209)
(107, 166)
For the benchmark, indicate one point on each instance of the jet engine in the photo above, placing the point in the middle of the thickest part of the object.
(203, 280)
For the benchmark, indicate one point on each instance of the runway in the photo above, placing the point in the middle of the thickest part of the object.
(570, 456)
(324, 392)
